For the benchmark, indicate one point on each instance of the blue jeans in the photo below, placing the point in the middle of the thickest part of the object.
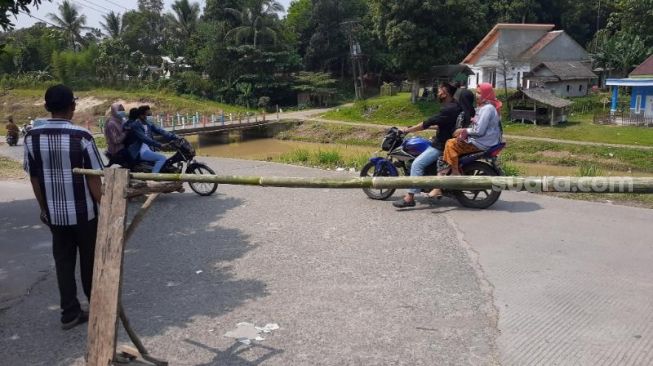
(158, 159)
(428, 157)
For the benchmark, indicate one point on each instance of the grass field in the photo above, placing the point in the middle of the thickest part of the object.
(398, 111)
(395, 111)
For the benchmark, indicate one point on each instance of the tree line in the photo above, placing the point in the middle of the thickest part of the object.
(248, 51)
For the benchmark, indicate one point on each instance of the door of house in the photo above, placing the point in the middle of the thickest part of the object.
(649, 106)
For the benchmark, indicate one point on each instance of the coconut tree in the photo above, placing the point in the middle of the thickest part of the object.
(70, 22)
(255, 21)
(113, 25)
(185, 18)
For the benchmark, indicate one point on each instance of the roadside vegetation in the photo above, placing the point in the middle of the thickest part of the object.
(25, 103)
(10, 169)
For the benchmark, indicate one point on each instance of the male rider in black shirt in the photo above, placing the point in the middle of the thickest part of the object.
(445, 123)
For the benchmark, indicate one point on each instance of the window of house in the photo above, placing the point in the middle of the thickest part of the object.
(638, 104)
(568, 88)
(580, 88)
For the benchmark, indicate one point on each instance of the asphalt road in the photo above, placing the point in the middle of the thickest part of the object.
(350, 281)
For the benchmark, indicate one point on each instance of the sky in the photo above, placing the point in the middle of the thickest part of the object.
(93, 9)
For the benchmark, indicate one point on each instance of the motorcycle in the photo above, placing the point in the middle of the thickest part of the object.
(25, 129)
(402, 152)
(12, 140)
(182, 162)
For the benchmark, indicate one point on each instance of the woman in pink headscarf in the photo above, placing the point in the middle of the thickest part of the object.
(483, 134)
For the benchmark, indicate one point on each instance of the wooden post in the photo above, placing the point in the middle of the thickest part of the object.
(107, 276)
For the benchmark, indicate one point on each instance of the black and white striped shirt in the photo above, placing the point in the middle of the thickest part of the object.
(52, 151)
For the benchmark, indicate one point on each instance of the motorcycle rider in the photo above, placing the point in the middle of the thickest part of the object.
(445, 122)
(116, 135)
(484, 133)
(12, 129)
(141, 142)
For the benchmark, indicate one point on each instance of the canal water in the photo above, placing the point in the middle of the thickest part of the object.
(267, 149)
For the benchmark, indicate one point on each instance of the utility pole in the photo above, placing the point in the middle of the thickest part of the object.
(598, 16)
(356, 56)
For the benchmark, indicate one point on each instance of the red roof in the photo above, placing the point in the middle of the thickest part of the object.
(540, 44)
(645, 69)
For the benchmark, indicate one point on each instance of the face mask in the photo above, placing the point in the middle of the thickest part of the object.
(150, 119)
(122, 114)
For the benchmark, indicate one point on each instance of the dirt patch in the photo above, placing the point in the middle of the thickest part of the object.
(555, 154)
(88, 103)
(131, 104)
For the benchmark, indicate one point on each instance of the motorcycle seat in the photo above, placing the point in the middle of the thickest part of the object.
(490, 153)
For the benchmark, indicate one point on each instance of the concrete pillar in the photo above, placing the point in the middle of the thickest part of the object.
(615, 98)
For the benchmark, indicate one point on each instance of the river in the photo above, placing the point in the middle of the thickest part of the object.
(270, 149)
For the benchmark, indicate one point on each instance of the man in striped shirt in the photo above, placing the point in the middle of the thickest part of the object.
(68, 202)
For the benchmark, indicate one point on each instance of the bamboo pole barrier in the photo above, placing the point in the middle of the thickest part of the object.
(530, 184)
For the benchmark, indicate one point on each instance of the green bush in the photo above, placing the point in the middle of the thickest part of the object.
(330, 158)
(192, 83)
(589, 170)
(511, 170)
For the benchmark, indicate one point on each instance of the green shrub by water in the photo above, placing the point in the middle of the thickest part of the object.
(511, 170)
(330, 158)
(589, 170)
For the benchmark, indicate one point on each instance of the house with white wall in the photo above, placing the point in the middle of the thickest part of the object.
(509, 51)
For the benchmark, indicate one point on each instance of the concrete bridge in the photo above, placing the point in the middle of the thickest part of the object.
(224, 132)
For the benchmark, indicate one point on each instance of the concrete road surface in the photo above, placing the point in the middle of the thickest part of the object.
(350, 281)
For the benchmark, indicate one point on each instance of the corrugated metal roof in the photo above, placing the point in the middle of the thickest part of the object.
(566, 70)
(645, 69)
(492, 36)
(543, 96)
(539, 45)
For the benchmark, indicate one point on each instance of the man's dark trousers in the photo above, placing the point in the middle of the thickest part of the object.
(66, 242)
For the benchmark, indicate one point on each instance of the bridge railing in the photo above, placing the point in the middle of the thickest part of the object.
(179, 121)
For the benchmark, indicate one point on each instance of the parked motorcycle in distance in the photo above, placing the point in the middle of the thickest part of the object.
(402, 152)
(12, 140)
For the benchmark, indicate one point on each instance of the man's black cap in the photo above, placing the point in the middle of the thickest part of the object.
(58, 98)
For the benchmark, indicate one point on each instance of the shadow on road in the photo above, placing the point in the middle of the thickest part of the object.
(25, 249)
(163, 287)
(177, 265)
(231, 356)
(447, 204)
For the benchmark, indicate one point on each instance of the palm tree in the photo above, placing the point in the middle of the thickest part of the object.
(70, 22)
(255, 20)
(185, 18)
(113, 25)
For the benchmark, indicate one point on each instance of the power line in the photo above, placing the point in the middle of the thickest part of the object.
(39, 19)
(99, 6)
(88, 7)
(111, 2)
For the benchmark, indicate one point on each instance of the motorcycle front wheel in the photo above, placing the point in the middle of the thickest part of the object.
(370, 170)
(480, 199)
(203, 189)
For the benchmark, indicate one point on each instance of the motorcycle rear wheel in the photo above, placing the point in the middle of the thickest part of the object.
(369, 170)
(480, 199)
(203, 189)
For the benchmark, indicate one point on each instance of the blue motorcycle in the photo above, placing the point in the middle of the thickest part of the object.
(402, 152)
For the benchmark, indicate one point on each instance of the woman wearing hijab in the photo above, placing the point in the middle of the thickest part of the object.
(484, 133)
(115, 134)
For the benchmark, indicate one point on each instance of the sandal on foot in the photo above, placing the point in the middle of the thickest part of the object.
(435, 193)
(403, 204)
